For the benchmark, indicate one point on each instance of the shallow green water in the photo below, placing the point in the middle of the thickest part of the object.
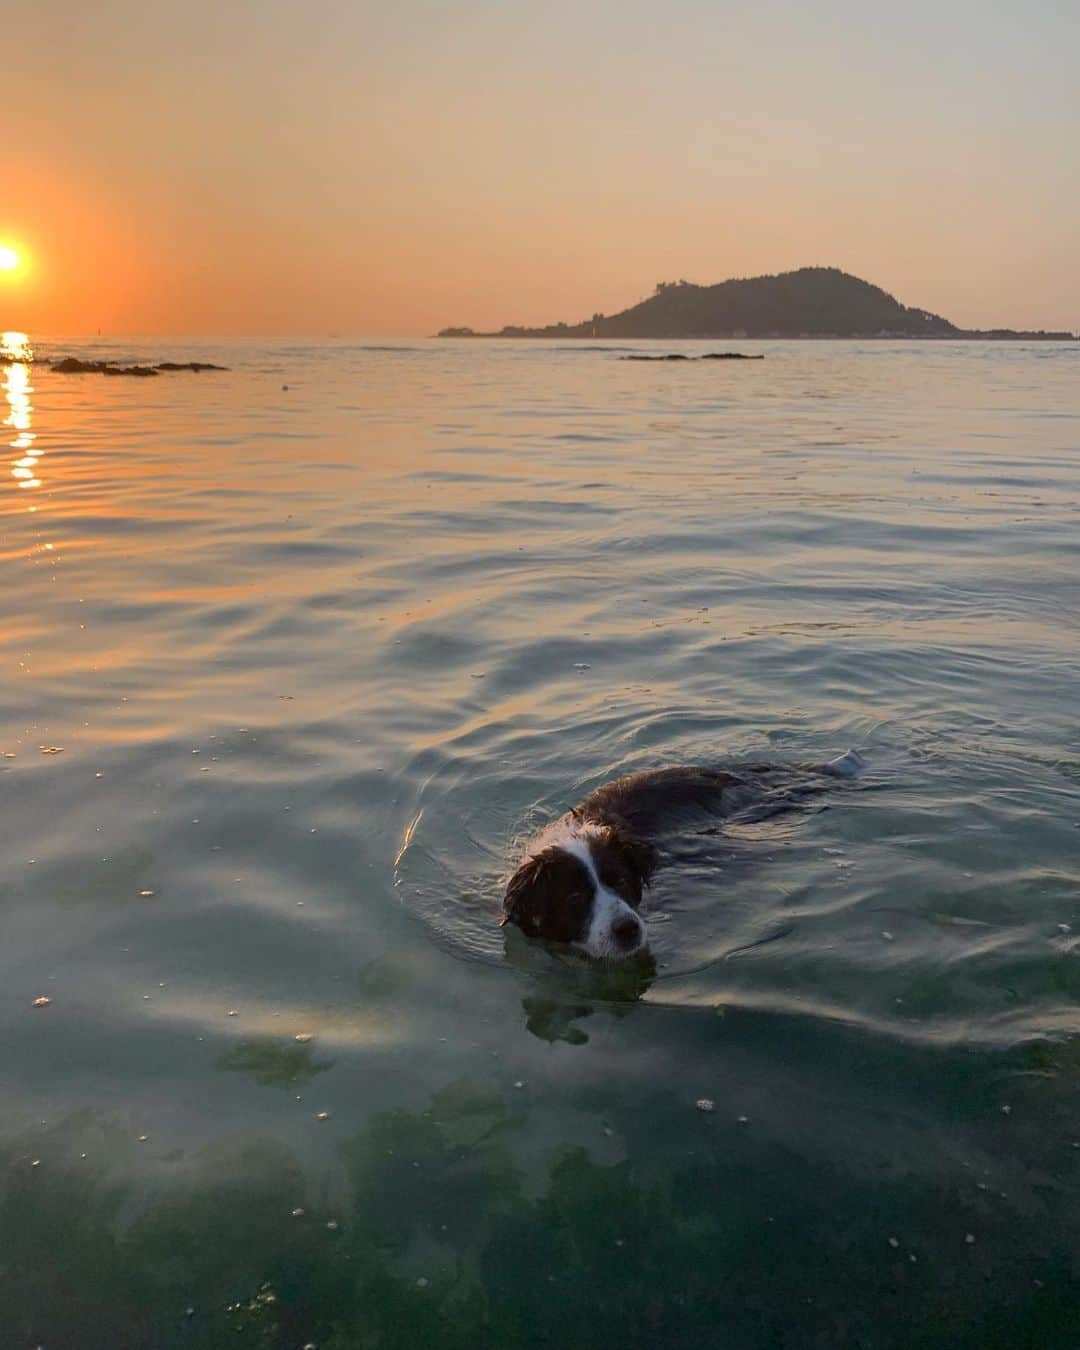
(313, 660)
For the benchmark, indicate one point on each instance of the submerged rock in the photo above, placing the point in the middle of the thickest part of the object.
(71, 365)
(705, 356)
(189, 365)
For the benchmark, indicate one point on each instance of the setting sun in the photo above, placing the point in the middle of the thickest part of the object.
(9, 259)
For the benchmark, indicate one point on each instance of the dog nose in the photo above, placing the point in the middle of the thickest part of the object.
(626, 930)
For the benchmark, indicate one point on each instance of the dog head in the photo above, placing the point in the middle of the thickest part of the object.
(581, 886)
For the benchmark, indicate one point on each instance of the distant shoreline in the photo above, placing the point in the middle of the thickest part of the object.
(973, 335)
(810, 304)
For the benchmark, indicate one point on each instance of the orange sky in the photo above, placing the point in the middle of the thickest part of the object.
(392, 168)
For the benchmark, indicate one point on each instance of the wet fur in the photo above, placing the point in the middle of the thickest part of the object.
(581, 881)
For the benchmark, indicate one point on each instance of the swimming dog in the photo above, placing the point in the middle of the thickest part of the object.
(581, 880)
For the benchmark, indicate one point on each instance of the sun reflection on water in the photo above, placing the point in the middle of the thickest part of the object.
(15, 358)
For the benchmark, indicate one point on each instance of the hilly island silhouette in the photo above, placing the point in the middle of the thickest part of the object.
(812, 302)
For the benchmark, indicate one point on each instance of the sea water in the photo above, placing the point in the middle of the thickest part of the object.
(297, 654)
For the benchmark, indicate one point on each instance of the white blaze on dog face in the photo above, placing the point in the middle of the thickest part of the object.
(614, 928)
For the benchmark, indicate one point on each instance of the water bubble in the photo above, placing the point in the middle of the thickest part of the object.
(704, 1104)
(422, 1282)
(322, 1115)
(298, 1213)
(969, 1238)
(42, 1002)
(894, 1242)
(303, 1037)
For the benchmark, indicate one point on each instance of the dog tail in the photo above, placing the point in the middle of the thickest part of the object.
(848, 765)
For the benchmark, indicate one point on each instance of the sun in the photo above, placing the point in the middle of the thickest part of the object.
(9, 259)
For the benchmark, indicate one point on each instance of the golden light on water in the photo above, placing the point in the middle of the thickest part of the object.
(9, 259)
(15, 346)
(16, 355)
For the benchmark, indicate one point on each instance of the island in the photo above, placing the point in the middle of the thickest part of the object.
(812, 302)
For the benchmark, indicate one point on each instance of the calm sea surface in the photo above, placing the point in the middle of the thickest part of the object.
(288, 672)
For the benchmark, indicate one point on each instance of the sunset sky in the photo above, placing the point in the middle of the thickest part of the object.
(389, 168)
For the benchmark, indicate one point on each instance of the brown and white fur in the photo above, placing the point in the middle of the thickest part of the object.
(581, 880)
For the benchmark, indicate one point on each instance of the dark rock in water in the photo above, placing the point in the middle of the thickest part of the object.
(71, 365)
(706, 356)
(189, 365)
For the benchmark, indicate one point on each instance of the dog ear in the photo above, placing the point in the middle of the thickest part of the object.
(516, 908)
